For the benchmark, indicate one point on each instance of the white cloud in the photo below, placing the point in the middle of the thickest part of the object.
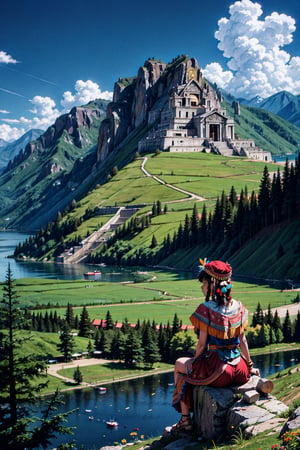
(9, 133)
(3, 111)
(215, 74)
(6, 58)
(44, 107)
(253, 46)
(44, 111)
(85, 91)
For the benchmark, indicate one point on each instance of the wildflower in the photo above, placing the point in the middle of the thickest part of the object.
(142, 436)
(123, 441)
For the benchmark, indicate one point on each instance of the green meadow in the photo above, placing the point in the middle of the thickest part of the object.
(159, 298)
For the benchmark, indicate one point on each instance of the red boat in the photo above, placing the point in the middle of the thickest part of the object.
(112, 423)
(92, 275)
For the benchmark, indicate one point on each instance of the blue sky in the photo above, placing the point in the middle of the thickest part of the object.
(57, 54)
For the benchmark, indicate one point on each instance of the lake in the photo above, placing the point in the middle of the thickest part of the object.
(141, 406)
(28, 269)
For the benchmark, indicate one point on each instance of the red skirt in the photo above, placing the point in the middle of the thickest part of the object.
(209, 371)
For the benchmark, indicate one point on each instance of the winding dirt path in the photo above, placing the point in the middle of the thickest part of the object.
(191, 195)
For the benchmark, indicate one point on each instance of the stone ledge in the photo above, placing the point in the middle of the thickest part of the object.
(217, 412)
(269, 427)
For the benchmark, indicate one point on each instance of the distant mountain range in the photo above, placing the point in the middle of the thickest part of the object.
(8, 150)
(3, 143)
(283, 104)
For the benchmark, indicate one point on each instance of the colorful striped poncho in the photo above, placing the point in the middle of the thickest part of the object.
(223, 325)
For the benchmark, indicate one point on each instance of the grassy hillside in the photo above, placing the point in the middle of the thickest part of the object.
(269, 131)
(274, 253)
(202, 175)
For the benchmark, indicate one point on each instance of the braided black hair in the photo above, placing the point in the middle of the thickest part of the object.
(221, 289)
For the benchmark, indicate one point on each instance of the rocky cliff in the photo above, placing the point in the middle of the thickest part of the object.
(135, 97)
(51, 170)
(69, 124)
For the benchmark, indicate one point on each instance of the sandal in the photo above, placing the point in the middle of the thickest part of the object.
(184, 424)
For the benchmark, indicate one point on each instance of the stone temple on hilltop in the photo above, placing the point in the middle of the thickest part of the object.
(194, 121)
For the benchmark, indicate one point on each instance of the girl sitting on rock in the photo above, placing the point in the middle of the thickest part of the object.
(222, 357)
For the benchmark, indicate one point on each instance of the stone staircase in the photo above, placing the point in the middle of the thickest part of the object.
(80, 253)
(223, 148)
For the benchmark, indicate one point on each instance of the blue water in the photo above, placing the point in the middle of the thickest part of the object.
(27, 269)
(143, 403)
(141, 406)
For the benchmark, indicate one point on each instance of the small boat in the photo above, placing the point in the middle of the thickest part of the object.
(112, 423)
(101, 389)
(88, 410)
(92, 275)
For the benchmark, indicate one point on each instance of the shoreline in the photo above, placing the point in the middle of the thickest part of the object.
(94, 361)
(157, 371)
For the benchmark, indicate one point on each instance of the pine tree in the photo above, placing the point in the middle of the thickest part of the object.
(84, 324)
(194, 226)
(272, 336)
(133, 353)
(186, 233)
(22, 377)
(77, 375)
(154, 210)
(175, 325)
(258, 316)
(269, 316)
(70, 316)
(90, 347)
(109, 321)
(276, 198)
(158, 207)
(179, 237)
(125, 326)
(264, 198)
(276, 324)
(66, 344)
(203, 226)
(153, 242)
(216, 226)
(117, 345)
(287, 329)
(279, 336)
(233, 198)
(150, 346)
(263, 336)
(163, 343)
(98, 339)
(297, 328)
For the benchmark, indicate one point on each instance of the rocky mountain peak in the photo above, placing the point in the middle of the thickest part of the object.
(134, 98)
(69, 123)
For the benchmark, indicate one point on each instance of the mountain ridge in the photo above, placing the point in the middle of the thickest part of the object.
(9, 150)
(284, 104)
(41, 177)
